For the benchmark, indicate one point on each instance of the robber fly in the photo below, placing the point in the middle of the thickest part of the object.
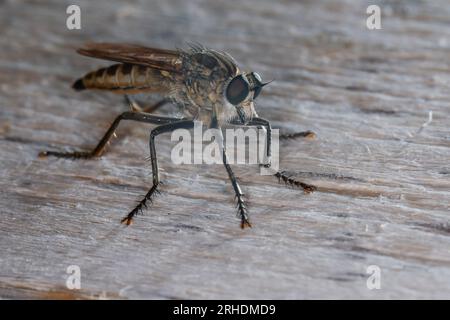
(207, 84)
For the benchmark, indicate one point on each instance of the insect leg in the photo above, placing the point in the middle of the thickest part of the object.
(260, 122)
(134, 105)
(281, 175)
(242, 209)
(288, 180)
(180, 124)
(301, 134)
(266, 124)
(135, 116)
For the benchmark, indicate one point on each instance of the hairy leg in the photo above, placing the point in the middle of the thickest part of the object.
(281, 175)
(99, 149)
(242, 209)
(183, 124)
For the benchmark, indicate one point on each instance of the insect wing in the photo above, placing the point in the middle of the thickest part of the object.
(169, 60)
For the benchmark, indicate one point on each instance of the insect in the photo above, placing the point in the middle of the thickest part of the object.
(207, 84)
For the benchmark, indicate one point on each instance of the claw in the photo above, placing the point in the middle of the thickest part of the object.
(127, 220)
(43, 154)
(308, 188)
(245, 223)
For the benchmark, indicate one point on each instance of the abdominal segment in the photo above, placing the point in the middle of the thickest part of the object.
(125, 78)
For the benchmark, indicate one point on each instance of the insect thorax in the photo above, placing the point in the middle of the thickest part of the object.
(205, 76)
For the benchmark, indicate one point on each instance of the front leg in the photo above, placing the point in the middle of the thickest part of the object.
(302, 134)
(288, 180)
(281, 175)
(260, 122)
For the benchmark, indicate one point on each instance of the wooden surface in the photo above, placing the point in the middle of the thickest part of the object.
(384, 187)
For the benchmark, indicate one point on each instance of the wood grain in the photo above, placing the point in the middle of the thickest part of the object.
(384, 187)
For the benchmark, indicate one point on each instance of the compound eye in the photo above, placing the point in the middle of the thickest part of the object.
(237, 90)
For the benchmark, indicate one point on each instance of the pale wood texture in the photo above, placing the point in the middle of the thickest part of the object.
(384, 188)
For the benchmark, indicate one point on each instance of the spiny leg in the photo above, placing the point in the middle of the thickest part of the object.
(242, 209)
(301, 134)
(260, 122)
(288, 180)
(183, 124)
(98, 150)
(128, 219)
(281, 175)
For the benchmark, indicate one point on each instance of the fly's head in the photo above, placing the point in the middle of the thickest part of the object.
(241, 91)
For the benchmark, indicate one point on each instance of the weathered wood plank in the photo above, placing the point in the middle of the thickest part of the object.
(384, 187)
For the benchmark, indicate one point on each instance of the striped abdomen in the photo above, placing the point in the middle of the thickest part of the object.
(125, 78)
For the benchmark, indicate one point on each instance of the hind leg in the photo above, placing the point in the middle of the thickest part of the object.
(99, 149)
